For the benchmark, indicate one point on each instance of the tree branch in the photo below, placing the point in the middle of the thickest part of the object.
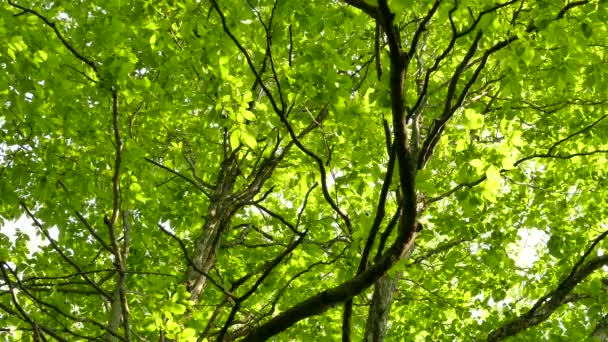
(191, 181)
(370, 10)
(62, 254)
(550, 302)
(191, 263)
(270, 267)
(65, 43)
(91, 230)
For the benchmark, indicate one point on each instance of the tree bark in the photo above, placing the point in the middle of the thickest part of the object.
(601, 330)
(219, 216)
(114, 319)
(377, 319)
(226, 201)
(204, 256)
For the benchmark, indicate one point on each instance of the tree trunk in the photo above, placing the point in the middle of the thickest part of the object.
(219, 214)
(601, 330)
(377, 319)
(204, 256)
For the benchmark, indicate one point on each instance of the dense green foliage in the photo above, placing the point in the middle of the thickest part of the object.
(248, 169)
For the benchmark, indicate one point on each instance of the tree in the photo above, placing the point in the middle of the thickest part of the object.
(316, 170)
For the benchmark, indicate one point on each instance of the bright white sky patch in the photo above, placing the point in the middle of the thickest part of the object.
(525, 250)
(63, 16)
(25, 225)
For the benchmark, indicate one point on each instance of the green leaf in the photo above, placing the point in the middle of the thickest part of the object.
(477, 164)
(555, 246)
(493, 175)
(528, 55)
(40, 56)
(188, 333)
(473, 120)
(177, 309)
(516, 139)
(172, 326)
(507, 163)
(397, 6)
(248, 139)
(248, 115)
(135, 187)
(234, 141)
(153, 40)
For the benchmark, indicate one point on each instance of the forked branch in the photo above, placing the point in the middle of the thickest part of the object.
(551, 301)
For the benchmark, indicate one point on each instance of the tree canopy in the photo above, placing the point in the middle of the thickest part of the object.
(223, 170)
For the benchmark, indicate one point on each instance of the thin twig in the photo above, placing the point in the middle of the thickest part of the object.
(52, 25)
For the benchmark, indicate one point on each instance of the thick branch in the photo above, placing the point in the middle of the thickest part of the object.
(116, 309)
(270, 267)
(371, 237)
(449, 110)
(283, 116)
(329, 298)
(191, 263)
(550, 302)
(370, 10)
(326, 299)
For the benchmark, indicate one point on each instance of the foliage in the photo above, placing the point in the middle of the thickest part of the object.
(304, 170)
